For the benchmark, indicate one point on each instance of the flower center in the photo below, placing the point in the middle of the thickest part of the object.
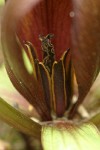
(48, 51)
(54, 78)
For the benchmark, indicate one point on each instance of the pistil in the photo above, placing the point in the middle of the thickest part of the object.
(48, 51)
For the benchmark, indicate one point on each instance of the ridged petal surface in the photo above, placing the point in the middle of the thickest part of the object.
(52, 16)
(86, 44)
(12, 49)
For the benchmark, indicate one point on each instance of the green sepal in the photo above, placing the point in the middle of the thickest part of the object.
(68, 137)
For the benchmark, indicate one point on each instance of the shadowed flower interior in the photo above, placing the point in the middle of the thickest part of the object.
(53, 77)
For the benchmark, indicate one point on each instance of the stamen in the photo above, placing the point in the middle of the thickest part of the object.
(48, 51)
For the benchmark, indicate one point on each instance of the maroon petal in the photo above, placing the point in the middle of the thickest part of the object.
(86, 40)
(13, 54)
(52, 16)
(12, 50)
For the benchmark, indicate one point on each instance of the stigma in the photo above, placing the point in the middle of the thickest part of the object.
(48, 51)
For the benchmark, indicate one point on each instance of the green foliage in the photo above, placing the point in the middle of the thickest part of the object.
(96, 120)
(27, 62)
(18, 120)
(5, 81)
(2, 2)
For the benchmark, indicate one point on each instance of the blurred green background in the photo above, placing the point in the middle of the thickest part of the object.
(2, 2)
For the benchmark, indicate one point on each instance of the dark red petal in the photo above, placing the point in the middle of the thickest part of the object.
(12, 50)
(13, 53)
(52, 16)
(86, 40)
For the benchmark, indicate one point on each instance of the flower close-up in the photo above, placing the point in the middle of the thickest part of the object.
(60, 40)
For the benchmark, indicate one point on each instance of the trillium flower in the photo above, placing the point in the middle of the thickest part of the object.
(61, 40)
(73, 52)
